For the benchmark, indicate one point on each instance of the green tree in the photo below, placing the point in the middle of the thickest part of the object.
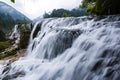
(13, 1)
(102, 7)
(65, 15)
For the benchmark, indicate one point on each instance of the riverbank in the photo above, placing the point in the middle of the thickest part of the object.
(10, 59)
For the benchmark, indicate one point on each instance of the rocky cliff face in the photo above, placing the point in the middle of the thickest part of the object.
(20, 34)
(18, 40)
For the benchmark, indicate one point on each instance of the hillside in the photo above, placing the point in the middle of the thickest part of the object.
(10, 16)
(59, 13)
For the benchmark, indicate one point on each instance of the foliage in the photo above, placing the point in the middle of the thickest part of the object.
(9, 53)
(2, 36)
(7, 22)
(65, 15)
(102, 7)
(46, 15)
(13, 1)
(4, 45)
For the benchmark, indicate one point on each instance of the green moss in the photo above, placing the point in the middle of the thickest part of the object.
(1, 57)
(10, 53)
(4, 45)
(13, 1)
(24, 39)
(90, 7)
(65, 15)
(2, 35)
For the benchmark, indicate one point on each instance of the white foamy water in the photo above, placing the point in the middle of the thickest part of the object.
(15, 35)
(71, 49)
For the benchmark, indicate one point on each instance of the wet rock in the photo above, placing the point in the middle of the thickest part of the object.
(37, 30)
(20, 35)
(108, 72)
(8, 52)
(111, 74)
(7, 68)
(13, 76)
(24, 39)
(96, 65)
(99, 18)
(112, 61)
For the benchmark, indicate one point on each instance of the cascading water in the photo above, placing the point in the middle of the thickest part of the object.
(71, 49)
(15, 35)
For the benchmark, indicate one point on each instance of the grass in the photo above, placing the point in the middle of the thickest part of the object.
(4, 45)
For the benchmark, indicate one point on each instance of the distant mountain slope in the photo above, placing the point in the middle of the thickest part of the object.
(75, 12)
(10, 16)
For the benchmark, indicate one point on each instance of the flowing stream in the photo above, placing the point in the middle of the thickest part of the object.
(81, 48)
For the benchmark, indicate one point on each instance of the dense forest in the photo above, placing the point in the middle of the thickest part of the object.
(77, 12)
(7, 22)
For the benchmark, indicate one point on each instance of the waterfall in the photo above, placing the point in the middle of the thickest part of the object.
(81, 48)
(15, 35)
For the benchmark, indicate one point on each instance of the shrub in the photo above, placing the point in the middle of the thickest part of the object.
(2, 36)
(7, 54)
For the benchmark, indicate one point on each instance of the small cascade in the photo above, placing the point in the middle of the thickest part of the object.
(71, 48)
(15, 35)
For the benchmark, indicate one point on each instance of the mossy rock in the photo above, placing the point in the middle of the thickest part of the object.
(24, 39)
(37, 30)
(13, 76)
(9, 53)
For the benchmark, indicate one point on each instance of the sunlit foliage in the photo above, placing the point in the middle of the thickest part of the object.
(102, 7)
(13, 1)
